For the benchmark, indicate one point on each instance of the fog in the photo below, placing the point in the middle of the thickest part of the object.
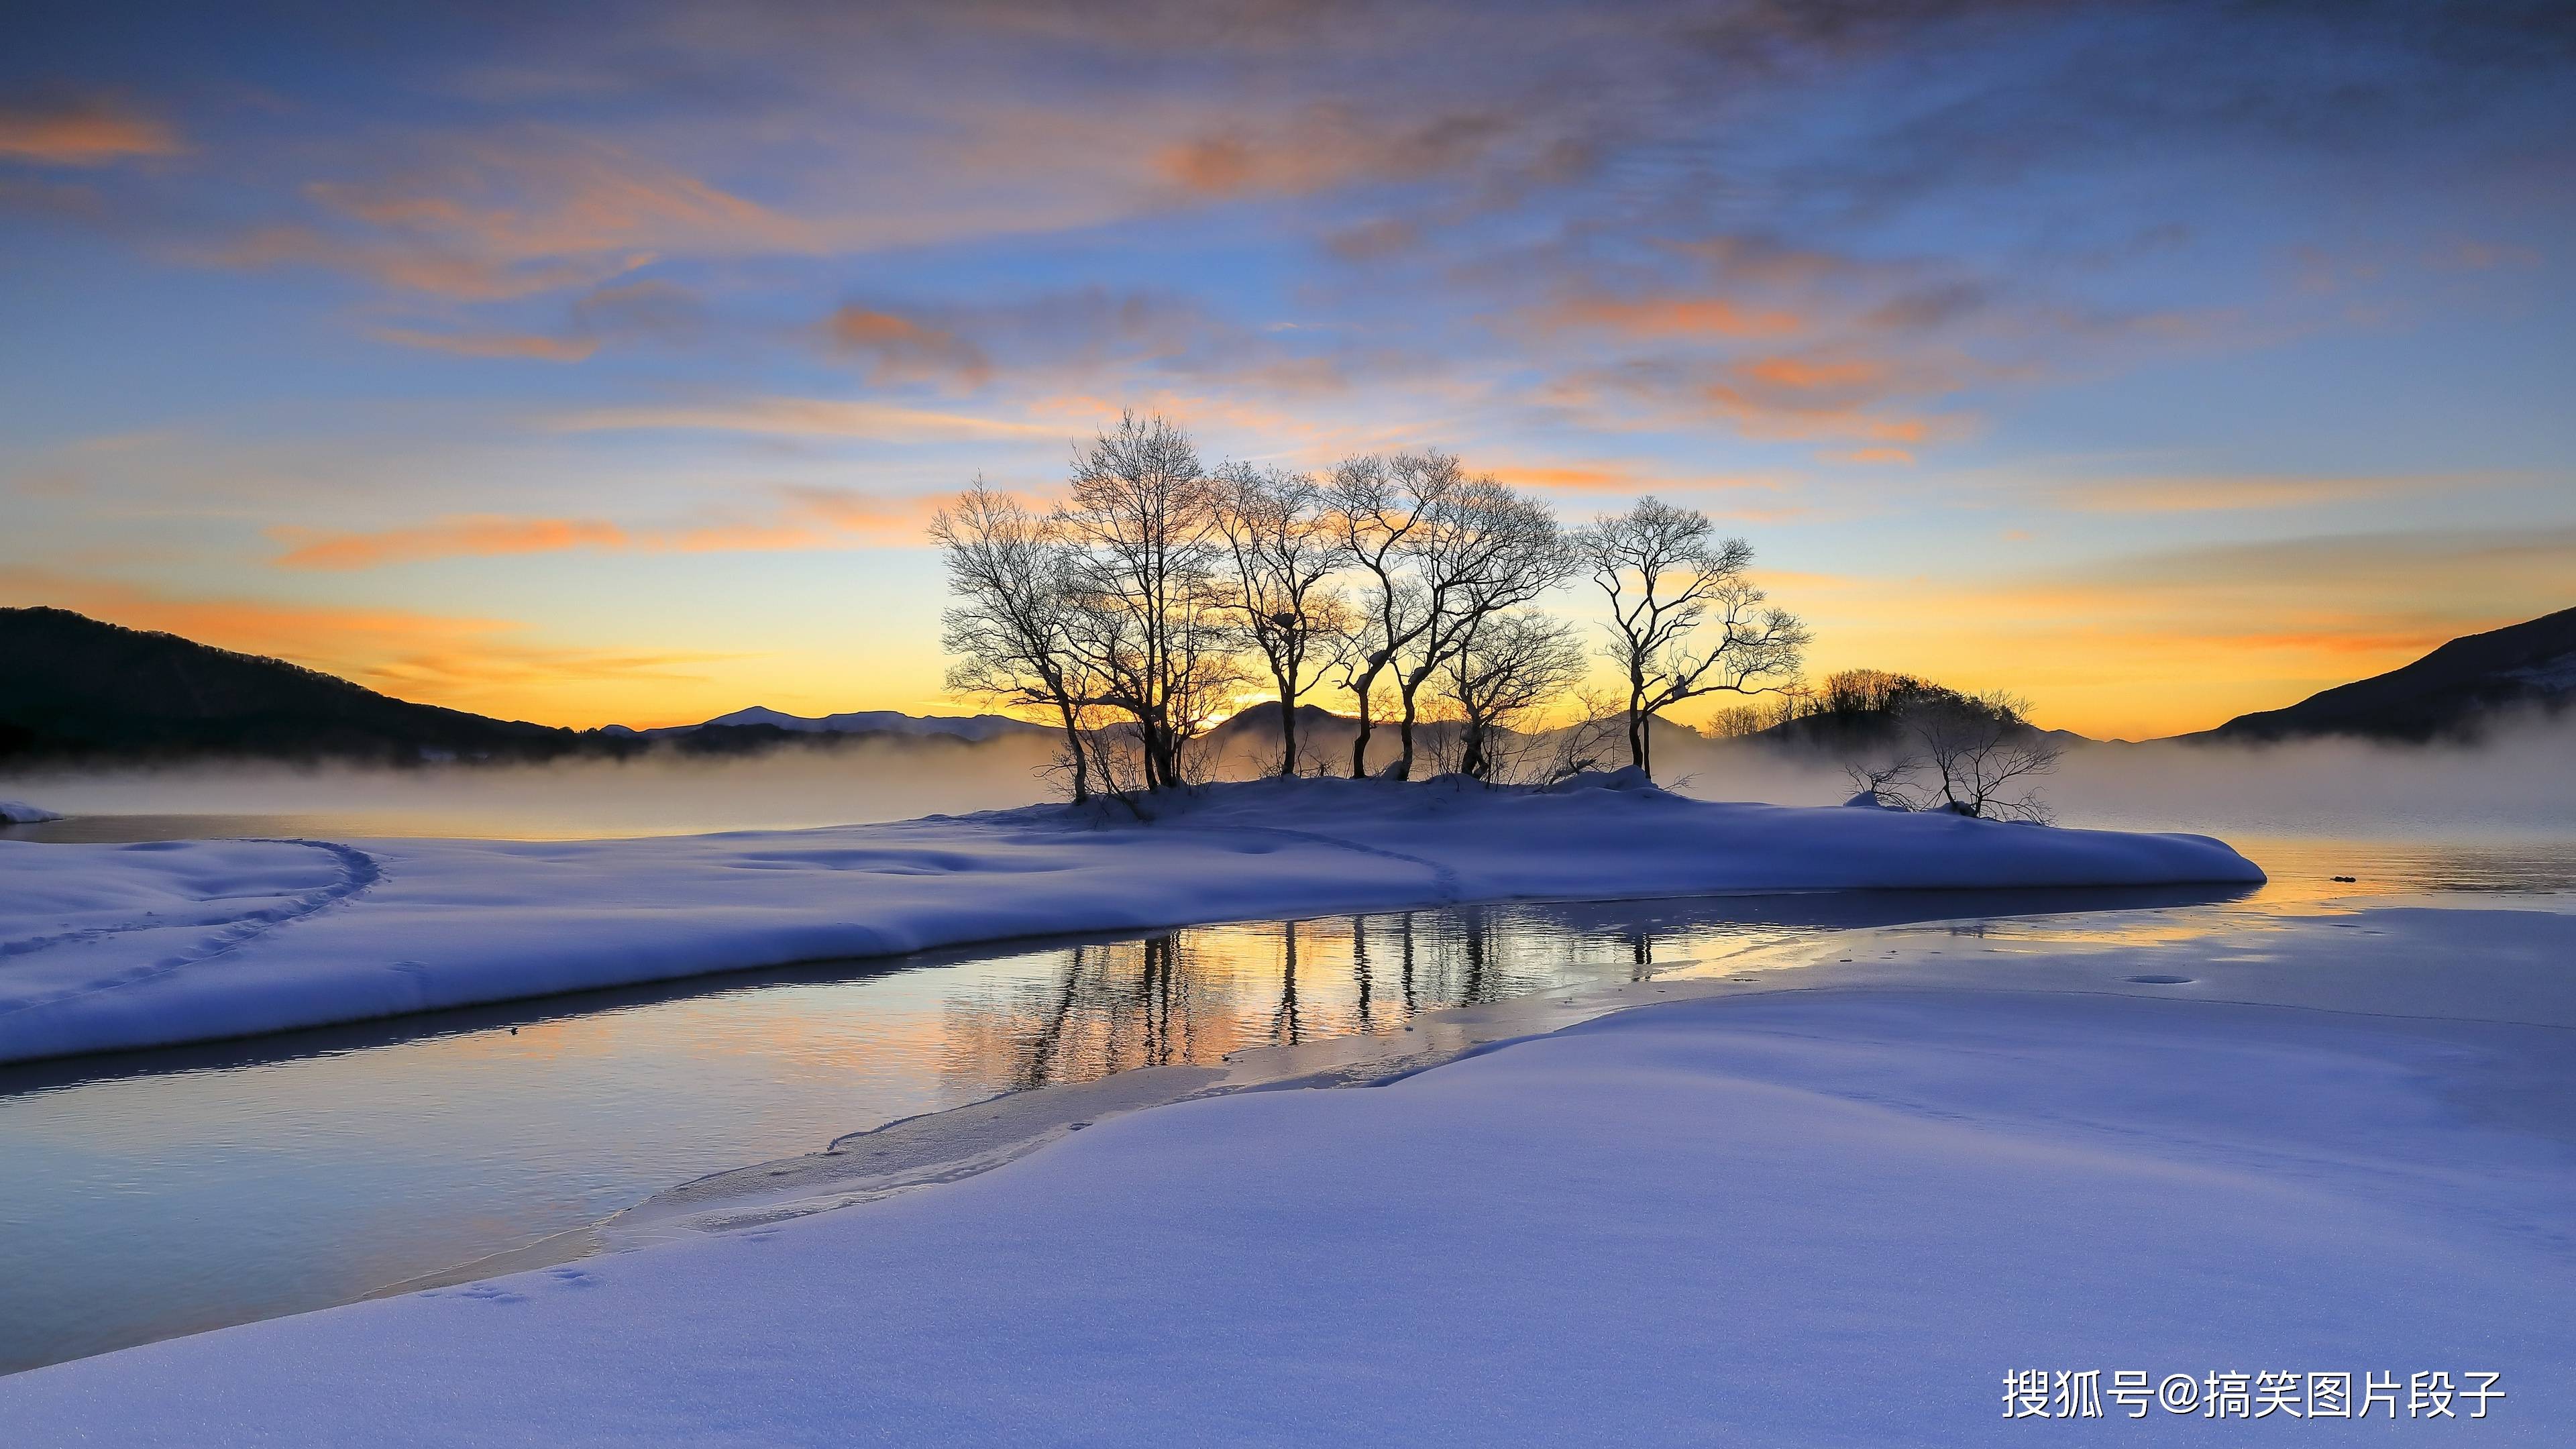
(878, 779)
(2521, 784)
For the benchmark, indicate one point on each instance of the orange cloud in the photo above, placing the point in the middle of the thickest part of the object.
(1327, 146)
(418, 266)
(801, 417)
(500, 217)
(87, 131)
(1799, 375)
(544, 194)
(1620, 478)
(493, 344)
(903, 350)
(1670, 317)
(479, 536)
(807, 518)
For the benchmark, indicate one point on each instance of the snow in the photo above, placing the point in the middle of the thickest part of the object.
(1790, 1218)
(118, 946)
(19, 812)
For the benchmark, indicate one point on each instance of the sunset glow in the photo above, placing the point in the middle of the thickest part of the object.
(606, 368)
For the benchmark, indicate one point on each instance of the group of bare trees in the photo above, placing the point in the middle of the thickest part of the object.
(1973, 754)
(1158, 593)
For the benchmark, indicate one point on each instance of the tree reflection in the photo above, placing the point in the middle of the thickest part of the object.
(1192, 997)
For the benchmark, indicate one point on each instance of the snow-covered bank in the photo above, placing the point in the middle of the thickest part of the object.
(19, 812)
(105, 947)
(1808, 1218)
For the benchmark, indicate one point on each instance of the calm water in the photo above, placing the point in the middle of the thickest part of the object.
(161, 1193)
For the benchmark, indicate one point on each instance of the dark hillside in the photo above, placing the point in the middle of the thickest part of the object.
(72, 687)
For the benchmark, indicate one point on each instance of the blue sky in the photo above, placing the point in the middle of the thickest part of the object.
(2156, 361)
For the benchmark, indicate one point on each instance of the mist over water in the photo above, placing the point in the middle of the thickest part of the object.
(2519, 784)
(661, 794)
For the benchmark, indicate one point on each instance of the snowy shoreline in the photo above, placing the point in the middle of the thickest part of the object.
(109, 947)
(1667, 1224)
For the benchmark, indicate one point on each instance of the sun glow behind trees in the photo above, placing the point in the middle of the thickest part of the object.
(1148, 601)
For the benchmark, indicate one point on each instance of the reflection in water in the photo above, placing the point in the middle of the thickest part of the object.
(1197, 996)
(166, 1192)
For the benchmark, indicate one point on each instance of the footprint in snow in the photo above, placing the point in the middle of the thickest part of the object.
(487, 1293)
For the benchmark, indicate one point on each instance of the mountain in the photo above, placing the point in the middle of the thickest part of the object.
(974, 728)
(71, 686)
(2453, 691)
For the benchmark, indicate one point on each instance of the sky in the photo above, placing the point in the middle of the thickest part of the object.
(2156, 361)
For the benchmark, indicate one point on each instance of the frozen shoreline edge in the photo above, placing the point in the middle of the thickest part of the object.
(124, 947)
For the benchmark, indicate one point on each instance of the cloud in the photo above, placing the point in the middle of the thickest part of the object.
(901, 350)
(1329, 144)
(479, 536)
(629, 313)
(417, 266)
(2468, 254)
(1768, 399)
(492, 344)
(1619, 478)
(492, 218)
(649, 310)
(1661, 317)
(800, 417)
(802, 518)
(2242, 492)
(82, 131)
(543, 194)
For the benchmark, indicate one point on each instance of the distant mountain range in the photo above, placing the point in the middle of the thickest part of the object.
(973, 727)
(2452, 692)
(74, 688)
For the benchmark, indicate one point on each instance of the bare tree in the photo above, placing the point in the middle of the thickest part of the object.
(1973, 755)
(1983, 755)
(1009, 632)
(1506, 666)
(1146, 622)
(1670, 582)
(1583, 745)
(1284, 547)
(1382, 508)
(1490, 549)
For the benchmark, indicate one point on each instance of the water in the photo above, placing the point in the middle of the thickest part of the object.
(163, 1193)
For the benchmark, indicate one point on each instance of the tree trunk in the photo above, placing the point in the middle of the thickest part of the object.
(1411, 688)
(1640, 720)
(1287, 728)
(1073, 742)
(1402, 769)
(1366, 692)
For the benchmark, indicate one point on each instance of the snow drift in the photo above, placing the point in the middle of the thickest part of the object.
(105, 947)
